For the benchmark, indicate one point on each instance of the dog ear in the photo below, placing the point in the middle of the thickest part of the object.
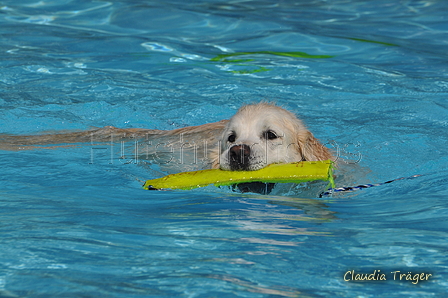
(312, 149)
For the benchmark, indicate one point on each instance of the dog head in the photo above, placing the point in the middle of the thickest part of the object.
(262, 134)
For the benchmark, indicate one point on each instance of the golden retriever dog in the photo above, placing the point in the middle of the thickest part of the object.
(256, 136)
(262, 134)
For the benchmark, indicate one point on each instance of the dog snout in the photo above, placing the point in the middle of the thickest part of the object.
(239, 157)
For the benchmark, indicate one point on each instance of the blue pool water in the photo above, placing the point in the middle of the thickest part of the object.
(370, 76)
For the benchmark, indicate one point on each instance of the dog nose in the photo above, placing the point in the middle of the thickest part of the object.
(239, 157)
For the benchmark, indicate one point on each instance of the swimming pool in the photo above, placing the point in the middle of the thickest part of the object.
(368, 75)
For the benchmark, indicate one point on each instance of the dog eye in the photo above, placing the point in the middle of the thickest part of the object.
(231, 138)
(270, 135)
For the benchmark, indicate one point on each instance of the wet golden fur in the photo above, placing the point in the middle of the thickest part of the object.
(293, 142)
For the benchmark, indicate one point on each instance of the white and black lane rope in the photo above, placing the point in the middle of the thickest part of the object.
(331, 191)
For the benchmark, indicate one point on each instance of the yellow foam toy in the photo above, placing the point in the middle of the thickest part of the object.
(284, 173)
